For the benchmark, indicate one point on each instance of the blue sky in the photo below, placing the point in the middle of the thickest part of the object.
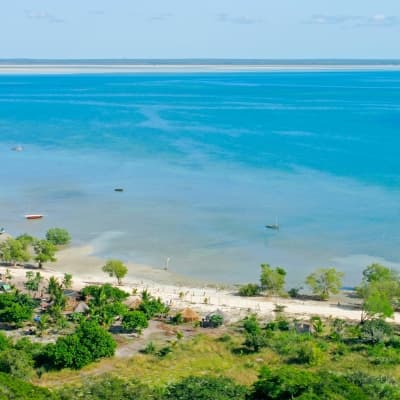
(200, 29)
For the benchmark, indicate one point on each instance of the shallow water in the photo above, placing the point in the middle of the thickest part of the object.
(206, 160)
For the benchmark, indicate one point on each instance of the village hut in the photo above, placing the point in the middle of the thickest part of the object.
(81, 308)
(190, 315)
(133, 304)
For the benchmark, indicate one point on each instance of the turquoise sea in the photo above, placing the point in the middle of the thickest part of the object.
(206, 160)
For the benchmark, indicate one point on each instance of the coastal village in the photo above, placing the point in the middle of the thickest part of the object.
(57, 313)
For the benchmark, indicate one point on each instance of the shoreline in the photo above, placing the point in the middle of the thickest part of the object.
(179, 295)
(126, 68)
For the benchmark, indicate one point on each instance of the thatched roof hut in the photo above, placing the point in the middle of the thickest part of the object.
(81, 308)
(190, 315)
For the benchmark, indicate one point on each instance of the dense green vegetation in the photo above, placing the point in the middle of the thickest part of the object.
(276, 358)
(25, 247)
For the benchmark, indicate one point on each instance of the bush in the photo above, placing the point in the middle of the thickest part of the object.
(108, 388)
(215, 321)
(58, 236)
(251, 289)
(309, 353)
(292, 383)
(177, 319)
(90, 342)
(135, 320)
(12, 388)
(376, 331)
(206, 388)
(16, 308)
(149, 349)
(17, 363)
(152, 307)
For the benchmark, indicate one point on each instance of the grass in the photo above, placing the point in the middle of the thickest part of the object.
(216, 352)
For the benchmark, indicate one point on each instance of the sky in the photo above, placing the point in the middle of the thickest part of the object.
(200, 29)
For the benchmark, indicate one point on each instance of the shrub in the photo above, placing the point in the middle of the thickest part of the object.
(90, 342)
(309, 353)
(135, 320)
(206, 388)
(13, 388)
(376, 331)
(17, 363)
(215, 320)
(149, 349)
(251, 289)
(177, 319)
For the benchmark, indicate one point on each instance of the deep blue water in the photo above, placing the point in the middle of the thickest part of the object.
(206, 161)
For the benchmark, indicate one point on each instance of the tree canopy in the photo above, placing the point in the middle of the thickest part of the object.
(58, 236)
(272, 279)
(324, 282)
(13, 251)
(380, 291)
(90, 342)
(44, 252)
(115, 268)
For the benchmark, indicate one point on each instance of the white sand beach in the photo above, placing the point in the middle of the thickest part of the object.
(96, 67)
(86, 269)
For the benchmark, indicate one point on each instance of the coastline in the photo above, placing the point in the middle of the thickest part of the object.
(44, 68)
(180, 293)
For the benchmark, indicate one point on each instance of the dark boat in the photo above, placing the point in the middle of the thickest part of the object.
(273, 226)
(118, 190)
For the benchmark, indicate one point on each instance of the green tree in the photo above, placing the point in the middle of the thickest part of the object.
(12, 251)
(90, 342)
(67, 281)
(115, 268)
(380, 291)
(16, 308)
(255, 337)
(33, 281)
(251, 289)
(324, 282)
(206, 388)
(105, 303)
(44, 252)
(58, 236)
(272, 279)
(57, 298)
(134, 320)
(152, 307)
(26, 240)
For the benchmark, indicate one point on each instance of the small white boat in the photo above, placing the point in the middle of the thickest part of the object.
(17, 148)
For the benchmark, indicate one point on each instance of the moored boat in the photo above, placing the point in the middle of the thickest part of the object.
(33, 216)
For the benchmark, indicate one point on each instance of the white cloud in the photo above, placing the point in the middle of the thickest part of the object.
(355, 21)
(161, 17)
(241, 20)
(43, 16)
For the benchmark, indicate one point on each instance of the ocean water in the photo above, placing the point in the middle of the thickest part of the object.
(206, 160)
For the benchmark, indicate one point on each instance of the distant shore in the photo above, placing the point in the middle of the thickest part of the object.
(106, 67)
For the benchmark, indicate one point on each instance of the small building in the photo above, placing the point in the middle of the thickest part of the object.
(190, 315)
(81, 308)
